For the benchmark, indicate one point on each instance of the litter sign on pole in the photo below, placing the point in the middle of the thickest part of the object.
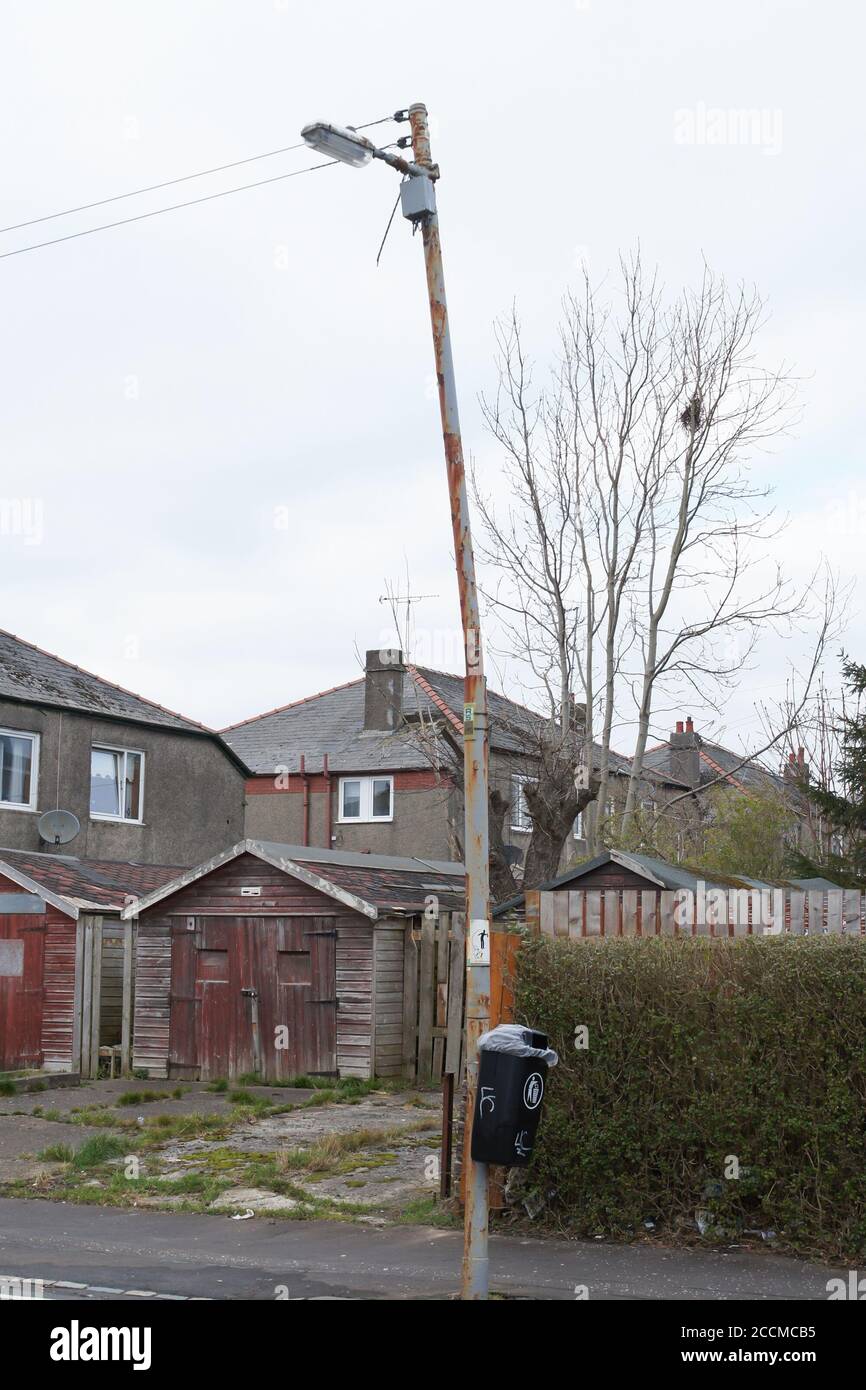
(479, 942)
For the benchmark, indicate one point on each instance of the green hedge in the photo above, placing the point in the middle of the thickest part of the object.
(699, 1050)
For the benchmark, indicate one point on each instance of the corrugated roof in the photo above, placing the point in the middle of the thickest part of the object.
(37, 677)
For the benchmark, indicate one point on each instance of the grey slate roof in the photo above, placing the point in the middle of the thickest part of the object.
(332, 722)
(715, 759)
(34, 676)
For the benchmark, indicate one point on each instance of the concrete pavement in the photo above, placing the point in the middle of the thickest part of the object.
(214, 1257)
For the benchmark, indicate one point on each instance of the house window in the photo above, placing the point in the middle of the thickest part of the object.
(366, 798)
(19, 769)
(116, 784)
(520, 817)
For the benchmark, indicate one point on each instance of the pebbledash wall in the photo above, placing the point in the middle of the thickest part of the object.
(193, 787)
(426, 807)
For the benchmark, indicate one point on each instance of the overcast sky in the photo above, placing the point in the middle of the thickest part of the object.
(218, 425)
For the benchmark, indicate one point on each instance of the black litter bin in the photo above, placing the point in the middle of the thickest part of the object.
(512, 1074)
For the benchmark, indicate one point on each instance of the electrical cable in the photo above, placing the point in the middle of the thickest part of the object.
(168, 183)
(192, 202)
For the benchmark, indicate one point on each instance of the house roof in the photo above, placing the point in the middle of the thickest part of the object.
(371, 884)
(72, 884)
(716, 761)
(32, 676)
(332, 722)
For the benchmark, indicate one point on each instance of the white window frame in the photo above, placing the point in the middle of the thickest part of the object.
(517, 781)
(104, 815)
(366, 816)
(34, 772)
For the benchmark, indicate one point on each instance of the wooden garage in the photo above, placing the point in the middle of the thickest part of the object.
(66, 980)
(280, 960)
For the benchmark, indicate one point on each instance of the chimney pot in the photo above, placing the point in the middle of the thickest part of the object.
(690, 728)
(679, 726)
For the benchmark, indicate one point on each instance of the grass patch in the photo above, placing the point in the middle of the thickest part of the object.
(218, 1086)
(146, 1097)
(8, 1088)
(57, 1153)
(426, 1211)
(98, 1150)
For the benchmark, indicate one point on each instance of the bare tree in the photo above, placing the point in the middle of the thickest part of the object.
(628, 553)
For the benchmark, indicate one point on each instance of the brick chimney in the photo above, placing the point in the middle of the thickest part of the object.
(577, 713)
(685, 760)
(383, 689)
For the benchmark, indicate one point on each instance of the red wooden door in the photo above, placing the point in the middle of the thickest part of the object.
(22, 961)
(290, 965)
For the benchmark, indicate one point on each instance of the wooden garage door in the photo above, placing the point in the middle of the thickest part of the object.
(290, 963)
(22, 961)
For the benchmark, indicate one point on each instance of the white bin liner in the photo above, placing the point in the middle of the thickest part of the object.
(511, 1038)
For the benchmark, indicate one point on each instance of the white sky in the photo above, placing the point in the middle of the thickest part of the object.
(170, 385)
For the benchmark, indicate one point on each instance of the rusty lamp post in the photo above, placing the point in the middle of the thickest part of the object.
(418, 200)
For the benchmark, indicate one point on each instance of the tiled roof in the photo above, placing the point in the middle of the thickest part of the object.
(28, 673)
(102, 882)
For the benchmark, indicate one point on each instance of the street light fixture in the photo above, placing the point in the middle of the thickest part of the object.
(340, 142)
(418, 200)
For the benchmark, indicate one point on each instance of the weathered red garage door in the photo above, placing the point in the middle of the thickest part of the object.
(22, 958)
(290, 962)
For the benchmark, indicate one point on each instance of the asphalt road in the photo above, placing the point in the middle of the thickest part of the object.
(110, 1252)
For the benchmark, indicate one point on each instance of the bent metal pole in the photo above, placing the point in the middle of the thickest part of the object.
(475, 734)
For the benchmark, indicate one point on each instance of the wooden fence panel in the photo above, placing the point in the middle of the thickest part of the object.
(835, 921)
(611, 914)
(629, 912)
(737, 912)
(852, 909)
(426, 999)
(456, 982)
(667, 910)
(575, 914)
(816, 911)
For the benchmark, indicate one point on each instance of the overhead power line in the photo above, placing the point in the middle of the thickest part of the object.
(168, 183)
(142, 216)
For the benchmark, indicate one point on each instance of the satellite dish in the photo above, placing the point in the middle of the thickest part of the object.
(58, 827)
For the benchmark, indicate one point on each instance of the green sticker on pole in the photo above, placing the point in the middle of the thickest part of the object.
(468, 721)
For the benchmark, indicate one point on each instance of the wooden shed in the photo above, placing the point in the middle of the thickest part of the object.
(280, 960)
(66, 980)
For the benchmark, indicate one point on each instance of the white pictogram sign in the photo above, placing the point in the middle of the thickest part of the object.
(479, 942)
(533, 1091)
